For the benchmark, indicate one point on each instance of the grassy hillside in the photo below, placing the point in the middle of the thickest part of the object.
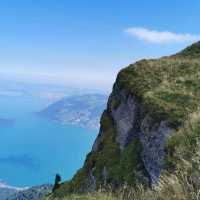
(168, 89)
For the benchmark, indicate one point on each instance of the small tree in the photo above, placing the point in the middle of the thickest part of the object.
(57, 182)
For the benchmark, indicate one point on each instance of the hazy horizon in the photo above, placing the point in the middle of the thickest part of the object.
(72, 43)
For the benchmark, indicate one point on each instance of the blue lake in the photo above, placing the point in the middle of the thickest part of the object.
(33, 149)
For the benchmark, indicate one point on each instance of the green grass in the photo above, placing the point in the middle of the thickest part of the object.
(168, 87)
(191, 52)
(96, 196)
(182, 145)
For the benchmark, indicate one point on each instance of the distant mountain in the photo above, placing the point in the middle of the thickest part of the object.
(33, 193)
(6, 190)
(83, 110)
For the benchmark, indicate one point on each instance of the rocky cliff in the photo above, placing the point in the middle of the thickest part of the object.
(150, 102)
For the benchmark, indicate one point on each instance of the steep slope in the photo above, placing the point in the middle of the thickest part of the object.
(83, 110)
(140, 133)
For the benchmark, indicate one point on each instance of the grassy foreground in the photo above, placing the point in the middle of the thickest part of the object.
(181, 184)
(176, 187)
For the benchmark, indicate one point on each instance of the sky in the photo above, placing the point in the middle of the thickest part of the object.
(86, 42)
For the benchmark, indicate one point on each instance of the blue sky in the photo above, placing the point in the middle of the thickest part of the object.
(86, 42)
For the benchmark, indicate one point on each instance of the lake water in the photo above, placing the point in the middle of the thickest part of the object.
(33, 149)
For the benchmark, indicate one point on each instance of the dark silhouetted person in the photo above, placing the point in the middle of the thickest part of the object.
(57, 182)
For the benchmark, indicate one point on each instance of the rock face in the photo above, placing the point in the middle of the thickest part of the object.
(126, 116)
(132, 126)
(153, 139)
(130, 123)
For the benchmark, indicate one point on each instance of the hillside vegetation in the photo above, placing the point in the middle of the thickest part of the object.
(169, 88)
(166, 90)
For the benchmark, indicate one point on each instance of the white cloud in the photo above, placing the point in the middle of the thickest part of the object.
(160, 37)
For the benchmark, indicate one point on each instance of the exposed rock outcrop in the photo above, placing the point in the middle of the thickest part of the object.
(126, 116)
(153, 138)
(130, 123)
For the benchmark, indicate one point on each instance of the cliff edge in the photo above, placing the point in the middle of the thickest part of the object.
(152, 100)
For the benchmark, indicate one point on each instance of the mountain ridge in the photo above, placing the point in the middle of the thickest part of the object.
(82, 110)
